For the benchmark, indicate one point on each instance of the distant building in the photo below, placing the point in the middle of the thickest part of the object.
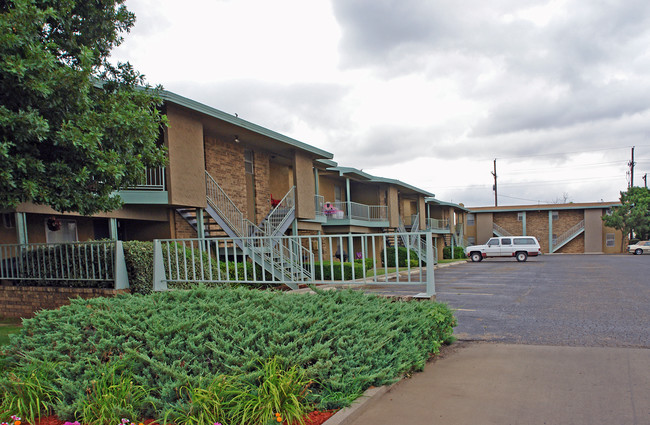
(560, 228)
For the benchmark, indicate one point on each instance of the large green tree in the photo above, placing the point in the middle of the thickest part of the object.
(73, 127)
(633, 215)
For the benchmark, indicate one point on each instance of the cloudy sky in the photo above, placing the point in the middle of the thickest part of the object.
(426, 91)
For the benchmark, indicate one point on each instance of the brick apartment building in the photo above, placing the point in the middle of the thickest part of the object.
(560, 228)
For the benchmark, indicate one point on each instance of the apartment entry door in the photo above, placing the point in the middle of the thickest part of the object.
(249, 165)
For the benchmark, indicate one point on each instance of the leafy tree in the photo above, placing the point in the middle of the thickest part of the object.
(73, 127)
(633, 215)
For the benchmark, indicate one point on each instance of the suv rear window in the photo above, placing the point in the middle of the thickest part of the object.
(524, 241)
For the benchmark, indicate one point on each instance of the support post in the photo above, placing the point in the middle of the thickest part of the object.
(159, 281)
(21, 228)
(350, 249)
(523, 223)
(112, 228)
(347, 198)
(120, 274)
(200, 224)
(550, 232)
(430, 291)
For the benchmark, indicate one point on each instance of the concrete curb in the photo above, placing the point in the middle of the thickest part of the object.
(350, 413)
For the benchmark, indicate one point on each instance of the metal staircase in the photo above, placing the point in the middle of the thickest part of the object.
(283, 258)
(500, 231)
(569, 235)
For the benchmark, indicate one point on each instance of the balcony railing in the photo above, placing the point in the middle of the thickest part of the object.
(154, 179)
(438, 224)
(339, 211)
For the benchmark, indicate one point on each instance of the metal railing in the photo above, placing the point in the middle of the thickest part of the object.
(65, 264)
(339, 210)
(438, 223)
(568, 235)
(278, 216)
(215, 260)
(500, 231)
(154, 179)
(244, 229)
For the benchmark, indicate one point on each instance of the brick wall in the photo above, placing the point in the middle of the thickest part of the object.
(575, 246)
(24, 301)
(183, 229)
(262, 185)
(537, 225)
(225, 163)
(508, 220)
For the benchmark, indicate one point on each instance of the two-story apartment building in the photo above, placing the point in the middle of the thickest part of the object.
(560, 228)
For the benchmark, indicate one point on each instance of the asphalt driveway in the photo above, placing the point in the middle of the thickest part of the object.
(568, 300)
(560, 339)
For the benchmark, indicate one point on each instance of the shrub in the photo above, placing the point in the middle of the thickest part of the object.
(403, 254)
(342, 271)
(344, 340)
(368, 263)
(459, 252)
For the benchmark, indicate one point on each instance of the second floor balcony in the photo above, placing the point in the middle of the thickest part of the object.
(151, 190)
(351, 213)
(438, 224)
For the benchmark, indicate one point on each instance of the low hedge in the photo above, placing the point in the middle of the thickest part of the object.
(402, 256)
(340, 273)
(459, 252)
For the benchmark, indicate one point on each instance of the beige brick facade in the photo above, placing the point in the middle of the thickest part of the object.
(508, 220)
(183, 229)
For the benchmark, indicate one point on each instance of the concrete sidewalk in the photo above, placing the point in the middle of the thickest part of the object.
(480, 383)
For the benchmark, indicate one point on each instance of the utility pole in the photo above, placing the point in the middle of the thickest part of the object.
(645, 180)
(494, 173)
(631, 164)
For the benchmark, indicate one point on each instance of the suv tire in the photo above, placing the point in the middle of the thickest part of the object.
(638, 251)
(476, 257)
(521, 256)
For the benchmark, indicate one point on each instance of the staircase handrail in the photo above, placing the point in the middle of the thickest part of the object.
(279, 214)
(221, 202)
(415, 225)
(501, 230)
(566, 235)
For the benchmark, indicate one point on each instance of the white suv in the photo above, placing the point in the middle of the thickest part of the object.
(519, 247)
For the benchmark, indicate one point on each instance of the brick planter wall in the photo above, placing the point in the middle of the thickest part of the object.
(25, 301)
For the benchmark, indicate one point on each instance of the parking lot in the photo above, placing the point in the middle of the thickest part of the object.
(574, 300)
(571, 300)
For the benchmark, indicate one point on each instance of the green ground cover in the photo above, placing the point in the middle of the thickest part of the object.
(162, 349)
(8, 327)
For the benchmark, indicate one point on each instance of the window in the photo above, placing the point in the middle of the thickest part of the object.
(608, 211)
(520, 216)
(67, 232)
(470, 220)
(9, 220)
(554, 239)
(556, 215)
(610, 239)
(493, 242)
(506, 242)
(249, 161)
(523, 241)
(471, 240)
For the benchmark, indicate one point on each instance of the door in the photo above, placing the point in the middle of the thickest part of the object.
(493, 248)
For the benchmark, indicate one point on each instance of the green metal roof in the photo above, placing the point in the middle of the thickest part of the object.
(327, 162)
(546, 207)
(448, 204)
(168, 96)
(349, 171)
(402, 184)
(359, 174)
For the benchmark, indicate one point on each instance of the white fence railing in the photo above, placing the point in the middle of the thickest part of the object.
(218, 260)
(65, 264)
(500, 231)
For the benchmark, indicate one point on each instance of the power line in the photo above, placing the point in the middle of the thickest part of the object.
(531, 183)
